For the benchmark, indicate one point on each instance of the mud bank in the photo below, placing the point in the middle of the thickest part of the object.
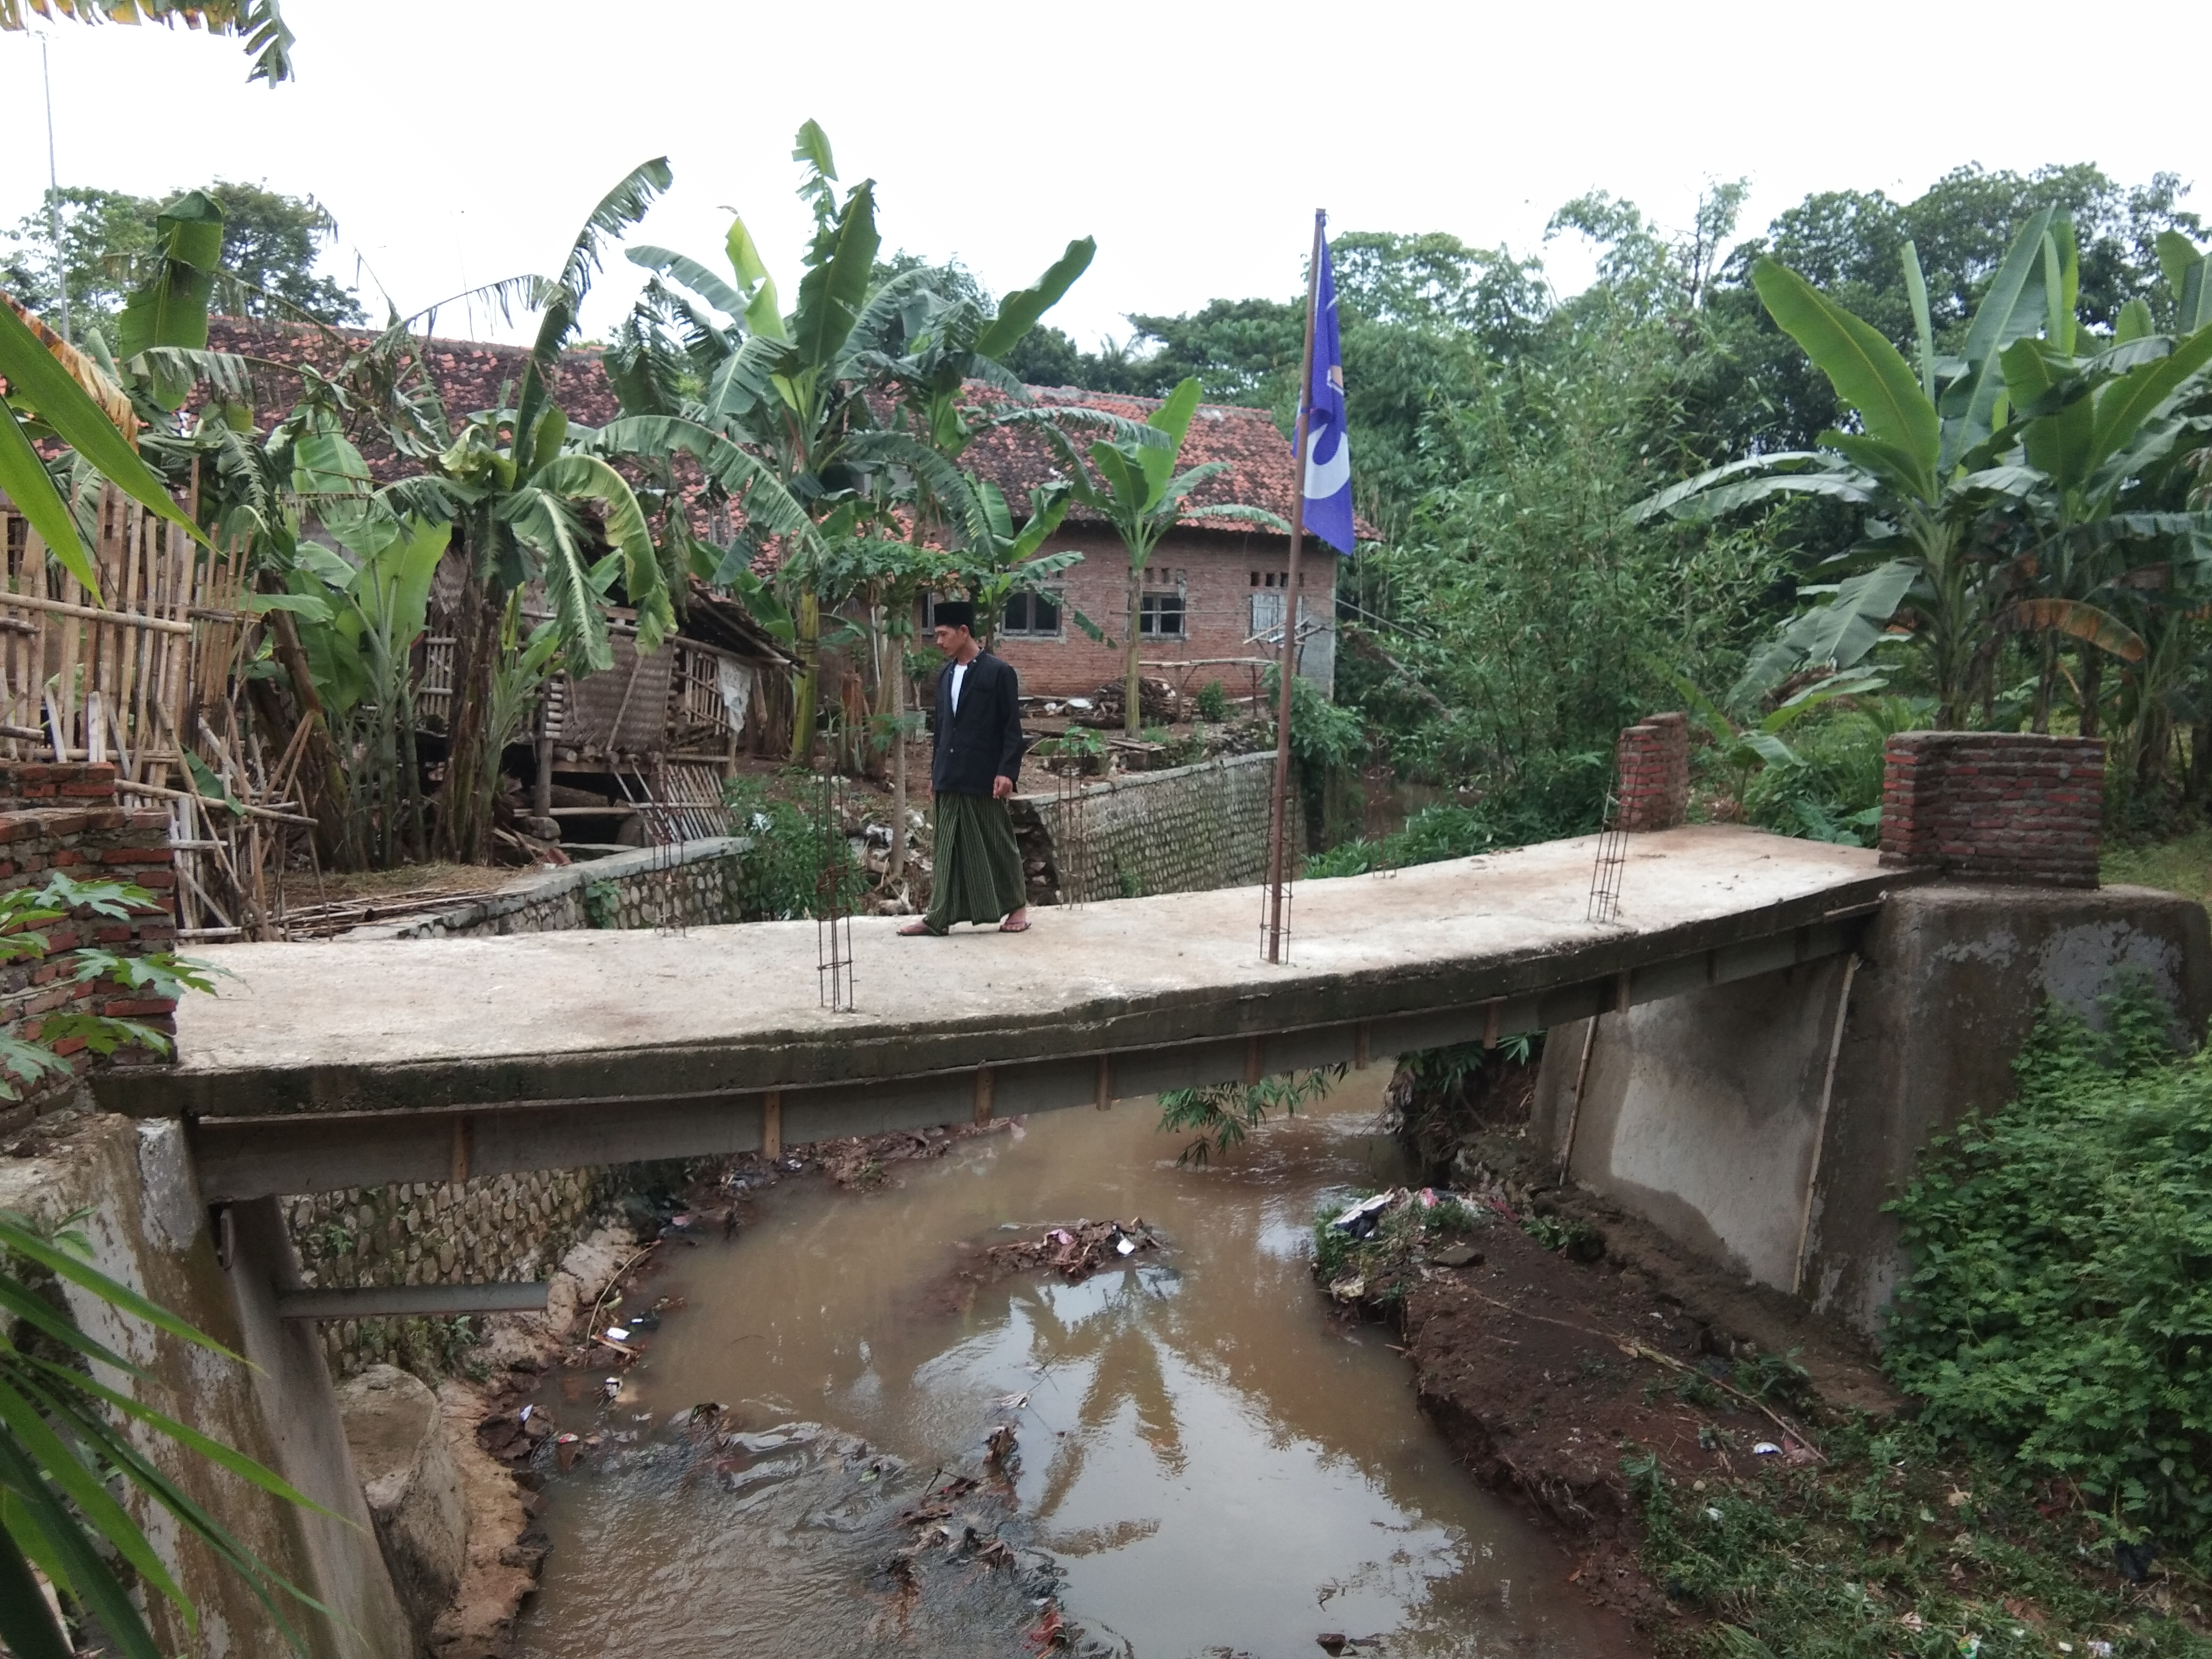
(1545, 1375)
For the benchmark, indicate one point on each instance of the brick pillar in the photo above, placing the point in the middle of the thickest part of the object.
(2005, 807)
(1653, 759)
(66, 818)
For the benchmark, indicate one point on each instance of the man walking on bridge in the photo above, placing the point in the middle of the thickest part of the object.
(978, 724)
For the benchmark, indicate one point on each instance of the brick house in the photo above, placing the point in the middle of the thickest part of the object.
(1213, 594)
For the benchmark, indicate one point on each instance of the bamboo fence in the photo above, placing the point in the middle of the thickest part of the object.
(147, 674)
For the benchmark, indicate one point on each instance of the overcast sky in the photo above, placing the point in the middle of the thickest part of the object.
(456, 141)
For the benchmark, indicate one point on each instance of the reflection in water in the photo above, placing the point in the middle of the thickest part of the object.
(1215, 1463)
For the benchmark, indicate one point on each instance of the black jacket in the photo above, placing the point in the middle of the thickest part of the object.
(983, 741)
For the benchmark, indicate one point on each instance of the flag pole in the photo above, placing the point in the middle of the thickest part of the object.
(1278, 840)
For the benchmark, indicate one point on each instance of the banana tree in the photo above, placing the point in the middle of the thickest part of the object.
(1925, 463)
(530, 500)
(2098, 421)
(47, 395)
(1131, 482)
(796, 390)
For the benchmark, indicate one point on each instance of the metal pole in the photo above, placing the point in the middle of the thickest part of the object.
(1287, 671)
(54, 199)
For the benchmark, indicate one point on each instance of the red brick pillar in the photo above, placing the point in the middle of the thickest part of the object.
(2005, 807)
(66, 818)
(1653, 760)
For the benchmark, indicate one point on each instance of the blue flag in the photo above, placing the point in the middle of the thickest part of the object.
(1328, 452)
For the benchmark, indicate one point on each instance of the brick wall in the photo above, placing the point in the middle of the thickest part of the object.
(1218, 575)
(66, 818)
(1188, 829)
(504, 1229)
(1653, 759)
(695, 884)
(1995, 805)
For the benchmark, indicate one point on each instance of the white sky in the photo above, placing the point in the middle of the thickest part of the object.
(458, 141)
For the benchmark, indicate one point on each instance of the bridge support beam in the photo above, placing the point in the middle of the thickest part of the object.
(322, 1151)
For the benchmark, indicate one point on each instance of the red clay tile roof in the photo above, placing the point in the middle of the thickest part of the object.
(471, 375)
(1261, 472)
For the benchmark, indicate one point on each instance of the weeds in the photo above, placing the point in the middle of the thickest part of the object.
(1896, 1546)
(2060, 1310)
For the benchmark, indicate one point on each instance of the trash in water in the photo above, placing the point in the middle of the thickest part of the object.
(1428, 1197)
(1075, 1252)
(612, 1386)
(1001, 1442)
(618, 1332)
(524, 1414)
(1009, 1403)
(1766, 1448)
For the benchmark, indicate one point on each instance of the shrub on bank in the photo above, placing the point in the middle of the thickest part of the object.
(2060, 1309)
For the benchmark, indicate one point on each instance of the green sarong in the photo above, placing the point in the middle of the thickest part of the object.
(977, 874)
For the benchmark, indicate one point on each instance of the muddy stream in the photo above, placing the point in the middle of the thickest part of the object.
(1209, 1462)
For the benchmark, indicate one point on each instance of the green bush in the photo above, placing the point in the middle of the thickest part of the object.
(781, 879)
(1213, 701)
(2060, 1308)
(1431, 834)
(1833, 792)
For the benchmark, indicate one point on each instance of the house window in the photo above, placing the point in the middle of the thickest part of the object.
(1032, 616)
(1161, 618)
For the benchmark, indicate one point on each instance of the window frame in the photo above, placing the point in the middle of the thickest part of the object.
(1154, 605)
(1055, 597)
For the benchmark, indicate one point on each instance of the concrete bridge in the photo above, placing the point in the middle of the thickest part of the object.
(1750, 1056)
(318, 1066)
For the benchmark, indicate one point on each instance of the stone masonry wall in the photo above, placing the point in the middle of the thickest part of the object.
(1188, 829)
(1653, 759)
(507, 1228)
(693, 883)
(1995, 805)
(492, 1229)
(65, 819)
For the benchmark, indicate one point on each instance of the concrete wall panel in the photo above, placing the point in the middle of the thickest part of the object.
(1700, 1112)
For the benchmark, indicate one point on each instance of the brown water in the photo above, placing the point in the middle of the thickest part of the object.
(1217, 1465)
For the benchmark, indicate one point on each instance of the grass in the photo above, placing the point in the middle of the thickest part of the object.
(1898, 1545)
(2182, 866)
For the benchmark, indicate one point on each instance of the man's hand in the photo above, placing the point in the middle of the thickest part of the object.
(1001, 788)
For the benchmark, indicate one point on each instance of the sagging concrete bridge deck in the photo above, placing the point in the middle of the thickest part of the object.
(318, 1066)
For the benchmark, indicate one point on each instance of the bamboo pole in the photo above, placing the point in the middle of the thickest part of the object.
(1278, 806)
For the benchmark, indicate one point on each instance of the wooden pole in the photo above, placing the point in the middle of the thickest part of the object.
(1277, 809)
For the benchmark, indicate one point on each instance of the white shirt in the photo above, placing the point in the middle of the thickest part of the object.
(959, 673)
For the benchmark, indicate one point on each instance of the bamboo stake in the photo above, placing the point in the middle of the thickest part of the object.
(1278, 806)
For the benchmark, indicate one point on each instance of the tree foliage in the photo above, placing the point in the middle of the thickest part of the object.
(271, 246)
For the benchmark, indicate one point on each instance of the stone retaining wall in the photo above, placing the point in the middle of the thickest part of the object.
(500, 1229)
(1188, 829)
(693, 883)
